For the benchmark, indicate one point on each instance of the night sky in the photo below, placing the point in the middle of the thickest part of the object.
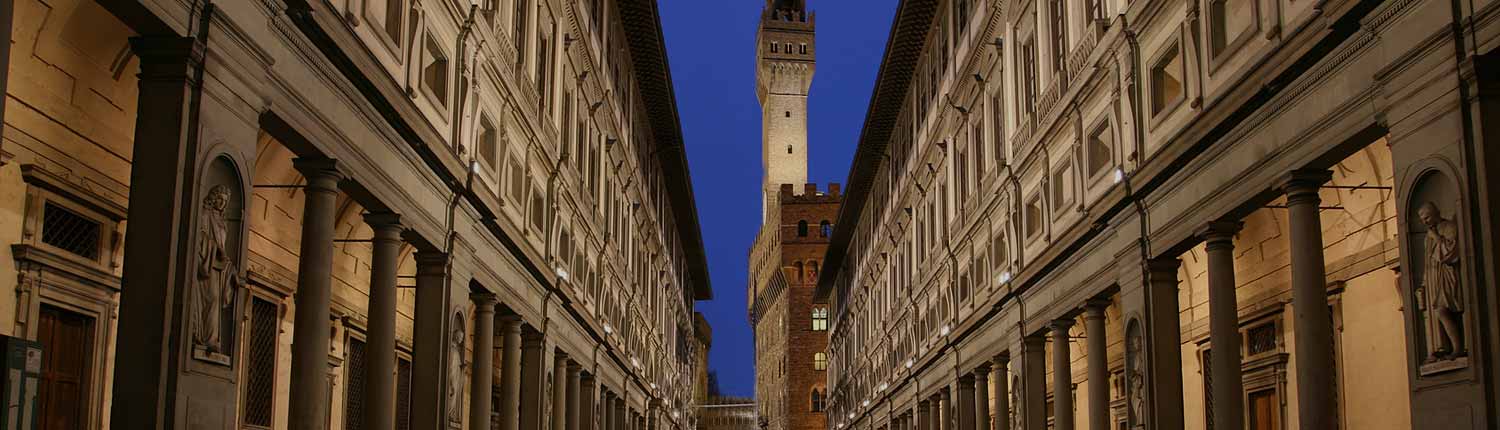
(711, 45)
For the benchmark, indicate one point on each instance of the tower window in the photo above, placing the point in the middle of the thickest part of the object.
(802, 49)
(775, 47)
(788, 114)
(789, 149)
(802, 228)
(820, 361)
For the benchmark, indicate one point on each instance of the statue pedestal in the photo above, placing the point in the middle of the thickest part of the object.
(1444, 366)
(203, 354)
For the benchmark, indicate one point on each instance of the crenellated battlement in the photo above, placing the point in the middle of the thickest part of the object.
(810, 194)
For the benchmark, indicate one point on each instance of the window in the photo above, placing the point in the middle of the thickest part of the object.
(1057, 20)
(802, 49)
(825, 229)
(998, 253)
(544, 51)
(435, 72)
(538, 211)
(403, 393)
(518, 32)
(1100, 152)
(817, 400)
(997, 118)
(517, 181)
(820, 319)
(1033, 217)
(802, 228)
(389, 13)
(1062, 189)
(488, 142)
(354, 385)
(1229, 21)
(1166, 81)
(789, 147)
(260, 363)
(68, 231)
(1028, 77)
(820, 361)
(775, 47)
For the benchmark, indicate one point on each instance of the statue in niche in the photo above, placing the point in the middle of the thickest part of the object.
(1135, 377)
(1015, 402)
(456, 369)
(216, 279)
(1440, 284)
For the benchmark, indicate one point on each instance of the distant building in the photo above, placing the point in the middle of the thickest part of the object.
(790, 329)
(727, 413)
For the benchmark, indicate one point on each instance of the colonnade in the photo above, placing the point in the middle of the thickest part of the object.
(966, 404)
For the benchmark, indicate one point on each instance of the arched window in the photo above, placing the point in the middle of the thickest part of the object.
(820, 361)
(817, 400)
(825, 228)
(802, 228)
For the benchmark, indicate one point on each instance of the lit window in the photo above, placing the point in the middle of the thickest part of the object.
(820, 319)
(820, 361)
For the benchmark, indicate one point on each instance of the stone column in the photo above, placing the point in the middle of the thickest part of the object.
(432, 352)
(966, 402)
(1002, 391)
(605, 406)
(380, 338)
(982, 397)
(619, 419)
(1034, 382)
(586, 399)
(510, 372)
(560, 391)
(1062, 375)
(482, 369)
(945, 410)
(310, 340)
(575, 384)
(1312, 320)
(1098, 364)
(533, 385)
(924, 415)
(153, 330)
(1228, 385)
(1163, 346)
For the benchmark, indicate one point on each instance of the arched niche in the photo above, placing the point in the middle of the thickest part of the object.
(217, 252)
(1434, 271)
(1135, 373)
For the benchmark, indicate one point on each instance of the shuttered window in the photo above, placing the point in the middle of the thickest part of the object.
(260, 363)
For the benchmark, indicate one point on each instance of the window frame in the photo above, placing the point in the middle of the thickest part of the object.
(1159, 110)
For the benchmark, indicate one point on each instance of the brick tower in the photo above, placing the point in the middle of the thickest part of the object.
(791, 337)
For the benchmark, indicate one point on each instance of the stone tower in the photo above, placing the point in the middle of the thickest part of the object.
(784, 72)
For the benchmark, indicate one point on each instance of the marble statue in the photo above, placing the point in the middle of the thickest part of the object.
(217, 278)
(1441, 285)
(456, 369)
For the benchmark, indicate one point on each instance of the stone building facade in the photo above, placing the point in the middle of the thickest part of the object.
(357, 214)
(1218, 214)
(790, 328)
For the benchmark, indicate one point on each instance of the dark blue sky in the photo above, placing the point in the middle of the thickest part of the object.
(711, 45)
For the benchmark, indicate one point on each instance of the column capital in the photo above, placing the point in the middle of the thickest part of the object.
(484, 302)
(430, 262)
(1163, 266)
(385, 223)
(982, 370)
(1220, 233)
(532, 339)
(1094, 308)
(167, 57)
(574, 367)
(509, 322)
(1062, 325)
(1001, 360)
(966, 381)
(321, 173)
(1304, 183)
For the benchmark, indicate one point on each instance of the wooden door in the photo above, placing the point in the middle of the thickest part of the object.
(67, 340)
